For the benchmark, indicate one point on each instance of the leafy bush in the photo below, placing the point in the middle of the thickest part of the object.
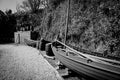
(93, 24)
(7, 26)
(27, 20)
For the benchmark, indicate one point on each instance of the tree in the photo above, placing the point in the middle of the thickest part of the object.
(3, 20)
(31, 5)
(8, 12)
(7, 25)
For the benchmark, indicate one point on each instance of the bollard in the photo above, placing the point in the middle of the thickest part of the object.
(48, 50)
(43, 44)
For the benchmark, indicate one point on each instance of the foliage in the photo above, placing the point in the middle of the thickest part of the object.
(7, 22)
(3, 19)
(93, 24)
(31, 5)
(53, 4)
(7, 25)
(28, 20)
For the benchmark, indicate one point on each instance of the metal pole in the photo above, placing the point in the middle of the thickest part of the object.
(67, 19)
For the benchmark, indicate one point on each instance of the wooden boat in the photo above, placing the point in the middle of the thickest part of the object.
(89, 66)
(30, 42)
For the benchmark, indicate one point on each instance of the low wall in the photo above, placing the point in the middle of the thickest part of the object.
(21, 35)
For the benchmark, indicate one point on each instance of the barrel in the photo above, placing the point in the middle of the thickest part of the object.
(43, 44)
(48, 50)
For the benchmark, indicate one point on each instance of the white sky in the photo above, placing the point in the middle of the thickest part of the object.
(9, 4)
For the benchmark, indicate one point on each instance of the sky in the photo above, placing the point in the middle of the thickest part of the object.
(9, 4)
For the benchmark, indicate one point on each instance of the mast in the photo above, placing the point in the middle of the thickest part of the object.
(67, 19)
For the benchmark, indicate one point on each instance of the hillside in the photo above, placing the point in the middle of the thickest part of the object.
(93, 25)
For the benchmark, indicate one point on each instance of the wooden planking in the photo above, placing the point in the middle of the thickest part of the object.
(91, 57)
(93, 69)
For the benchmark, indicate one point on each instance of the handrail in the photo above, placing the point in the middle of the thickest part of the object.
(90, 57)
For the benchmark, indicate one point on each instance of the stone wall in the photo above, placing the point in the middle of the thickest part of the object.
(21, 35)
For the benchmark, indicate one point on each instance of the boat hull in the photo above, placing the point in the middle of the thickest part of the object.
(30, 42)
(95, 70)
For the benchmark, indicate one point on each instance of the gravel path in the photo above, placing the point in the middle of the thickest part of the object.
(24, 63)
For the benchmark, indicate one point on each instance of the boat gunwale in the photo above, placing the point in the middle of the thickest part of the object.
(90, 65)
(89, 56)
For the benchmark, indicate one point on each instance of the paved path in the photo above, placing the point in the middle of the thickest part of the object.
(24, 63)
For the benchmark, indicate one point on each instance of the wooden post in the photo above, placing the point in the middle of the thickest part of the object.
(67, 19)
(18, 38)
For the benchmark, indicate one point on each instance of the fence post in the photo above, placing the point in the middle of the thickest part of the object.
(18, 38)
